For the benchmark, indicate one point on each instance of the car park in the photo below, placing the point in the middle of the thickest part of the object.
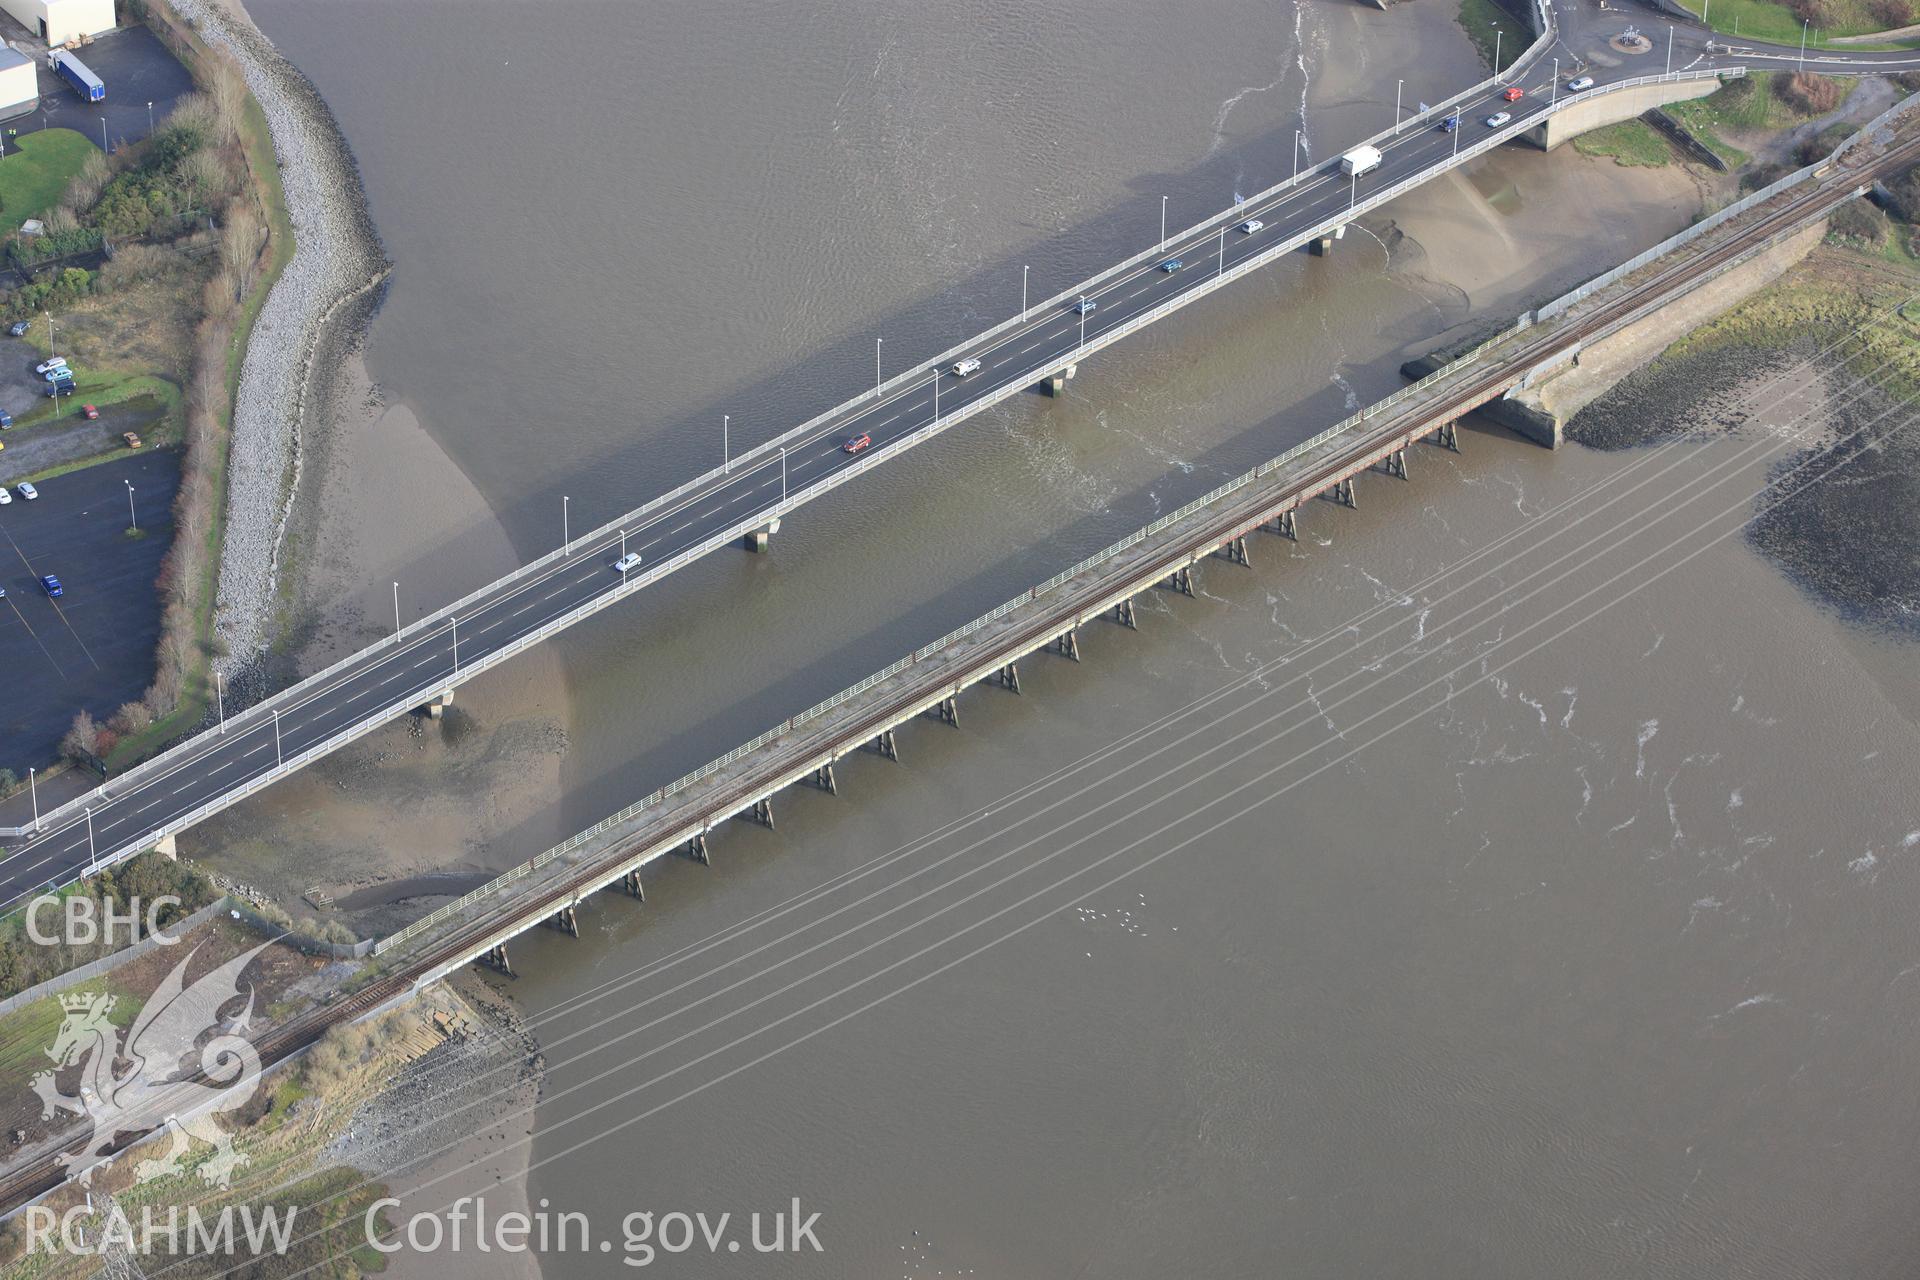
(88, 412)
(58, 362)
(1575, 86)
(965, 367)
(858, 443)
(1251, 225)
(1172, 265)
(1084, 307)
(631, 560)
(51, 585)
(26, 491)
(18, 329)
(1498, 118)
(1514, 93)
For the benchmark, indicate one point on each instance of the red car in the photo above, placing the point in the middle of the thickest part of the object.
(1514, 93)
(89, 412)
(857, 444)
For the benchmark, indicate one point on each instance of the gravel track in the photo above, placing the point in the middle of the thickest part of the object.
(337, 256)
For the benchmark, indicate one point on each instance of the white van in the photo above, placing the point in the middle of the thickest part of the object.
(965, 367)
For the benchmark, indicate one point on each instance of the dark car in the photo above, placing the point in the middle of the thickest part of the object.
(52, 584)
(857, 444)
(18, 329)
(1451, 123)
(6, 419)
(59, 388)
(1172, 265)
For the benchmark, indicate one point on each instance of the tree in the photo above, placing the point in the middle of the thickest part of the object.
(82, 736)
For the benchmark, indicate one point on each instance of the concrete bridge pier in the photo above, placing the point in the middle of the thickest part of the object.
(1322, 246)
(1343, 493)
(1182, 581)
(1055, 383)
(762, 812)
(949, 711)
(697, 850)
(1284, 525)
(1396, 464)
(567, 920)
(823, 779)
(1447, 436)
(1235, 549)
(496, 959)
(1010, 677)
(438, 705)
(888, 746)
(1069, 645)
(758, 539)
(631, 884)
(1124, 615)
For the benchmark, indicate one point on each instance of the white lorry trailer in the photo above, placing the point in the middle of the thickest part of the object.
(1360, 160)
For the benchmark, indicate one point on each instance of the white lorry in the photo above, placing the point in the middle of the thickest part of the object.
(1360, 160)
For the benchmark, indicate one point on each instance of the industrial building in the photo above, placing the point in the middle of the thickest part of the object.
(19, 83)
(58, 21)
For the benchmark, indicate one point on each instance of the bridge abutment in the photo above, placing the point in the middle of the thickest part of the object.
(1055, 383)
(757, 540)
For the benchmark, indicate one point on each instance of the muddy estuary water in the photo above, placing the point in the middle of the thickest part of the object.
(1512, 877)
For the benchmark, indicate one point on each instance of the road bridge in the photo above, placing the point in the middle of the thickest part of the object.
(423, 663)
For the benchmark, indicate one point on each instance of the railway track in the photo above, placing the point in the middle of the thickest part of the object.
(1232, 517)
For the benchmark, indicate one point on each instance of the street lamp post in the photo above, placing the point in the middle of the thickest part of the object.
(1803, 45)
(1669, 48)
(279, 761)
(1497, 33)
(1553, 89)
(1163, 224)
(876, 366)
(103, 133)
(1083, 326)
(1023, 293)
(936, 397)
(92, 856)
(1353, 190)
(1398, 85)
(1296, 155)
(456, 628)
(783, 473)
(132, 519)
(33, 789)
(726, 451)
(1223, 251)
(149, 117)
(220, 698)
(396, 608)
(566, 528)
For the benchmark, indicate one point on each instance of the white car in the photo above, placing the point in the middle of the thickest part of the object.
(1584, 82)
(26, 491)
(5, 497)
(1498, 118)
(58, 362)
(631, 560)
(965, 367)
(1251, 225)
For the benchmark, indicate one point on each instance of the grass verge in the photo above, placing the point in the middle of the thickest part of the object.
(1632, 143)
(1776, 23)
(36, 171)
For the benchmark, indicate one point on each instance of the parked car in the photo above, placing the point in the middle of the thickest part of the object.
(857, 444)
(631, 560)
(52, 586)
(26, 491)
(6, 419)
(57, 389)
(965, 367)
(5, 497)
(58, 362)
(1251, 225)
(3, 593)
(132, 438)
(1451, 123)
(59, 373)
(1514, 93)
(88, 412)
(1498, 118)
(1575, 86)
(18, 329)
(1172, 265)
(1084, 307)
